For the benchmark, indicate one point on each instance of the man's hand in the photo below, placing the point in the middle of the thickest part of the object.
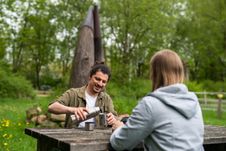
(111, 119)
(80, 112)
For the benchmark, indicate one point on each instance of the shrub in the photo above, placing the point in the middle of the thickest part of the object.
(136, 88)
(126, 96)
(194, 86)
(214, 86)
(124, 105)
(13, 86)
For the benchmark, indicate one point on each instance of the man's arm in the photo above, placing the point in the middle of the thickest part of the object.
(58, 108)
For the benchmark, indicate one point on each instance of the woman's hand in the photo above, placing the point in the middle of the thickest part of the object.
(117, 124)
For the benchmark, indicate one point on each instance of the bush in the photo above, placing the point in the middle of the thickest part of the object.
(194, 86)
(136, 88)
(126, 96)
(12, 86)
(124, 105)
(214, 86)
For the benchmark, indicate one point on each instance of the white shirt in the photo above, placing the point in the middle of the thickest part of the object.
(90, 102)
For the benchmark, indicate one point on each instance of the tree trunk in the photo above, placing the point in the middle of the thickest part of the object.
(99, 55)
(83, 59)
(89, 49)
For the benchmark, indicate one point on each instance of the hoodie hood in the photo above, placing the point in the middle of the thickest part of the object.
(178, 97)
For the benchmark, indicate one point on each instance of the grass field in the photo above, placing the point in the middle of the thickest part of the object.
(13, 122)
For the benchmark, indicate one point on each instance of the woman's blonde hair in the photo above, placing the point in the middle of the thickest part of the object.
(166, 68)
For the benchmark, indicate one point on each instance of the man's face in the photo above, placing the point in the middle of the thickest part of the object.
(97, 82)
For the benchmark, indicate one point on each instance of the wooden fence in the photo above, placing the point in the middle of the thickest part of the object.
(215, 101)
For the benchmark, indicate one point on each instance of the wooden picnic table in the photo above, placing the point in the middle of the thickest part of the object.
(98, 139)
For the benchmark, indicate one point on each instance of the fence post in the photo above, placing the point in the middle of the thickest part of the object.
(219, 111)
(205, 98)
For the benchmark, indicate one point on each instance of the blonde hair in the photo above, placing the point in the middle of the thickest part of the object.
(166, 68)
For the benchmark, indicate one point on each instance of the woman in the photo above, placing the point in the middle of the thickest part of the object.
(169, 118)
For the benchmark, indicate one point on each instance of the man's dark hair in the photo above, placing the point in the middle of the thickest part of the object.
(102, 68)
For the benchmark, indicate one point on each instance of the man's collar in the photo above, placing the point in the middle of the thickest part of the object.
(81, 93)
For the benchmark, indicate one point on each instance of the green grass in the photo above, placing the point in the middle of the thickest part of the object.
(210, 118)
(13, 121)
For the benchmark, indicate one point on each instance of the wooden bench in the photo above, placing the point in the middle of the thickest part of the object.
(98, 139)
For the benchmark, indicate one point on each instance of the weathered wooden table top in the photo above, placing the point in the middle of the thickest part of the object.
(214, 134)
(80, 139)
(73, 139)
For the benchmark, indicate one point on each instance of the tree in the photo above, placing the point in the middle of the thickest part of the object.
(67, 17)
(205, 32)
(133, 30)
(39, 34)
(89, 49)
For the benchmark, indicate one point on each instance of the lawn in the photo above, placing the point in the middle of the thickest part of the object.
(13, 122)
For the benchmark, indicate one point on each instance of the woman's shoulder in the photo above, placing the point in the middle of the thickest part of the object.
(149, 99)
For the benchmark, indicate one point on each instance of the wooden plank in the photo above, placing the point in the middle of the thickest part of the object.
(91, 146)
(214, 134)
(80, 140)
(70, 138)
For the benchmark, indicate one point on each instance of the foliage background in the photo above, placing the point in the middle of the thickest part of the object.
(38, 39)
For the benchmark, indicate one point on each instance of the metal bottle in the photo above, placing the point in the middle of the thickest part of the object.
(92, 112)
(102, 120)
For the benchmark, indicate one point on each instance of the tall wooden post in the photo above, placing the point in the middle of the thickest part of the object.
(88, 50)
(99, 55)
(219, 111)
(84, 54)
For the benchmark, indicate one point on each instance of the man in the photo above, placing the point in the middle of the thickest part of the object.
(77, 100)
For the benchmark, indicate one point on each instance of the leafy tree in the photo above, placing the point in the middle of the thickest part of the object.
(133, 30)
(67, 16)
(38, 37)
(205, 32)
(44, 30)
(11, 15)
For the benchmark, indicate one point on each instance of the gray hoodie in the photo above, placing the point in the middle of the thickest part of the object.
(169, 119)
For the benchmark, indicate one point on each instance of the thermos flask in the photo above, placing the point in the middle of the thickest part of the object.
(92, 112)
